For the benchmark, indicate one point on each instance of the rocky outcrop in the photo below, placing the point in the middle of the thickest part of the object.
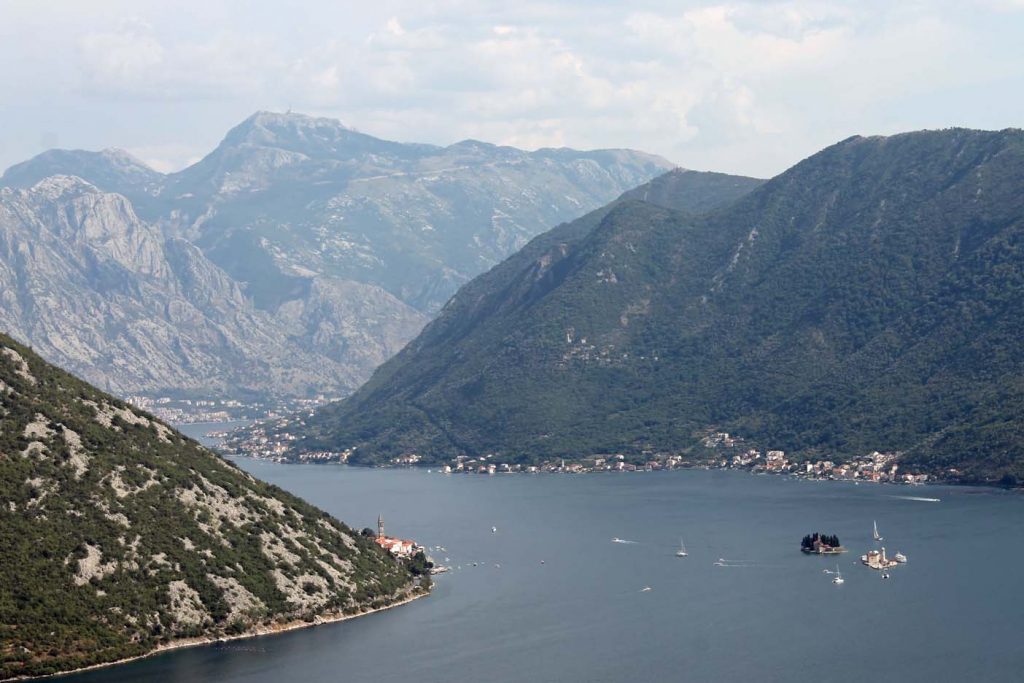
(103, 293)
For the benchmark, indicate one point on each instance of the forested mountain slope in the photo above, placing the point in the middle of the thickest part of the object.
(867, 298)
(120, 535)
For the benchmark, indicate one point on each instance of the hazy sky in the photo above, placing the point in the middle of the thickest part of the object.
(748, 87)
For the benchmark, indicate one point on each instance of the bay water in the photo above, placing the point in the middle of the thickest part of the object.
(549, 596)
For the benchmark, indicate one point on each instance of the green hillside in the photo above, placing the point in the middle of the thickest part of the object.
(869, 298)
(120, 535)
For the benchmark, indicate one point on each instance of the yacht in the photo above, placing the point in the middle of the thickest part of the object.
(838, 578)
(877, 537)
(682, 549)
(900, 557)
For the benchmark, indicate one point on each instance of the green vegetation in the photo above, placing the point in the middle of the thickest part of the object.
(869, 298)
(119, 534)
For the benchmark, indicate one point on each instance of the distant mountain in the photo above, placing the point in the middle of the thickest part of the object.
(109, 168)
(105, 295)
(120, 536)
(345, 243)
(287, 199)
(868, 298)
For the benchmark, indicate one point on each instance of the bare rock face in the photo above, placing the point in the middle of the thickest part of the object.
(122, 536)
(308, 197)
(103, 293)
(292, 260)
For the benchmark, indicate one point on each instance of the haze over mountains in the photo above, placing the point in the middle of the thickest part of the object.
(292, 260)
(868, 298)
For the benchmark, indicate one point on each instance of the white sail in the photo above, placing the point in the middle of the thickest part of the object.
(877, 537)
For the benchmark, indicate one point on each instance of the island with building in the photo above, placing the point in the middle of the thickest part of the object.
(821, 544)
(876, 559)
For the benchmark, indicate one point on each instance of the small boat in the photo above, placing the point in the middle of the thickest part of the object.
(645, 589)
(682, 549)
(494, 529)
(838, 578)
(900, 557)
(885, 575)
(877, 537)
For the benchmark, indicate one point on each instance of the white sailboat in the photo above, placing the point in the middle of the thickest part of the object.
(838, 578)
(682, 549)
(877, 537)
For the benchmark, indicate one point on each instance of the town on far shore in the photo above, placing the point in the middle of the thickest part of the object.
(717, 450)
(190, 410)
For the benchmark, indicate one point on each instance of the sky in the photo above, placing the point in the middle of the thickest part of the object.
(741, 87)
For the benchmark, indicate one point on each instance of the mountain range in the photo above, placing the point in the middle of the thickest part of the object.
(121, 537)
(291, 260)
(868, 298)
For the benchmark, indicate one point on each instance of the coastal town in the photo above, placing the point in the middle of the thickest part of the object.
(717, 450)
(177, 410)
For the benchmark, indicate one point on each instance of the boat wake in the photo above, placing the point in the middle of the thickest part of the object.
(920, 499)
(622, 540)
(722, 562)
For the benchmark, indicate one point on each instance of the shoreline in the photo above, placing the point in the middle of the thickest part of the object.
(256, 632)
(791, 475)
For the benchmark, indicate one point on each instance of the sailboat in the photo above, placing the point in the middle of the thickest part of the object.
(877, 537)
(682, 549)
(838, 578)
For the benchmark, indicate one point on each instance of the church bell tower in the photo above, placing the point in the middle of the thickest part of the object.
(380, 526)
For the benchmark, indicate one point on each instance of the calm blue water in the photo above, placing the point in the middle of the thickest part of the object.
(952, 614)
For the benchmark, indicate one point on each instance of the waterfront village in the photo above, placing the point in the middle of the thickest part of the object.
(406, 549)
(188, 410)
(399, 547)
(718, 450)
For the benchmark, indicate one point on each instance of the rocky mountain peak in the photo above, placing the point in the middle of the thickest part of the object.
(103, 222)
(61, 187)
(111, 169)
(289, 131)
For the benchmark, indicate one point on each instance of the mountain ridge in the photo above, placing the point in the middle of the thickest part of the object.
(768, 318)
(341, 244)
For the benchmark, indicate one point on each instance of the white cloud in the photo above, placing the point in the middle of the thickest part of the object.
(134, 61)
(733, 85)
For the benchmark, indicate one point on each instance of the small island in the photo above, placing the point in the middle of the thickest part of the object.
(821, 544)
